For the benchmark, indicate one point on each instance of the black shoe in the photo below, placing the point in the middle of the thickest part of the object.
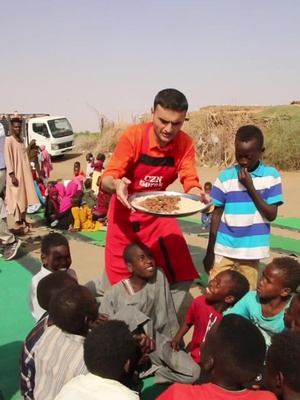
(11, 249)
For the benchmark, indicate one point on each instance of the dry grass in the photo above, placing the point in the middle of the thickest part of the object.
(213, 129)
(104, 142)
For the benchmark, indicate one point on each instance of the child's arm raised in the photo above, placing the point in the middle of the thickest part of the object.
(268, 211)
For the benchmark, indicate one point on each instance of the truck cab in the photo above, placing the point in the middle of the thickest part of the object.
(54, 132)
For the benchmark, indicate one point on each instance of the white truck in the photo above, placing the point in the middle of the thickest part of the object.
(54, 132)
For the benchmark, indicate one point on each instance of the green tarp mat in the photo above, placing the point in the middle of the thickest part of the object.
(16, 323)
(97, 237)
(287, 223)
(285, 245)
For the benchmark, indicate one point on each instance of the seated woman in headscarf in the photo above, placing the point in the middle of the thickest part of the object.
(51, 206)
(64, 218)
(32, 152)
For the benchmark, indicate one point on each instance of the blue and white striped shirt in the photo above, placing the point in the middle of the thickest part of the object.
(244, 234)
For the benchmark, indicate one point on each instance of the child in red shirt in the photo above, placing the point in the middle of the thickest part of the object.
(101, 209)
(42, 186)
(222, 292)
(98, 166)
(233, 354)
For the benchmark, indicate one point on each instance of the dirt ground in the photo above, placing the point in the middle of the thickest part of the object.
(88, 259)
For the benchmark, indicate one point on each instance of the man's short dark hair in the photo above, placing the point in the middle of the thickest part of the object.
(53, 240)
(171, 99)
(16, 119)
(69, 308)
(107, 348)
(284, 355)
(240, 285)
(127, 253)
(50, 285)
(239, 349)
(290, 271)
(247, 133)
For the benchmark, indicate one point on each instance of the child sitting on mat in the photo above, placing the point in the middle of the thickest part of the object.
(232, 354)
(88, 194)
(82, 215)
(266, 305)
(223, 291)
(46, 288)
(55, 257)
(145, 303)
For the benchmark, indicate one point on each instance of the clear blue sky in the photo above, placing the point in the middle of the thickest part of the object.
(58, 56)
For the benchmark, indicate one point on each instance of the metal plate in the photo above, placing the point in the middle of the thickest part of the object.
(202, 206)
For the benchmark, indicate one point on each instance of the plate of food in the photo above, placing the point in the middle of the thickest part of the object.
(168, 204)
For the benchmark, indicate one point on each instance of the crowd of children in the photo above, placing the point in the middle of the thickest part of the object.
(76, 206)
(246, 337)
(238, 334)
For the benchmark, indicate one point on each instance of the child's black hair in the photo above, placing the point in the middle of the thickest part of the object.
(290, 271)
(107, 349)
(240, 285)
(284, 355)
(88, 183)
(50, 285)
(209, 184)
(16, 119)
(239, 349)
(101, 157)
(80, 194)
(76, 201)
(53, 240)
(40, 180)
(127, 253)
(77, 164)
(69, 308)
(247, 133)
(52, 183)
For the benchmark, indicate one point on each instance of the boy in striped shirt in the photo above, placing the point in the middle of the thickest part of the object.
(246, 199)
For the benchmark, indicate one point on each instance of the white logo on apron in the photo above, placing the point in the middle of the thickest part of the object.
(151, 181)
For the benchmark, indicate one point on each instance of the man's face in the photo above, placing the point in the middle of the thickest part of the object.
(16, 128)
(58, 259)
(167, 123)
(248, 154)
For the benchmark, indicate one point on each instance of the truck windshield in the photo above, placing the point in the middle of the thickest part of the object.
(60, 127)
